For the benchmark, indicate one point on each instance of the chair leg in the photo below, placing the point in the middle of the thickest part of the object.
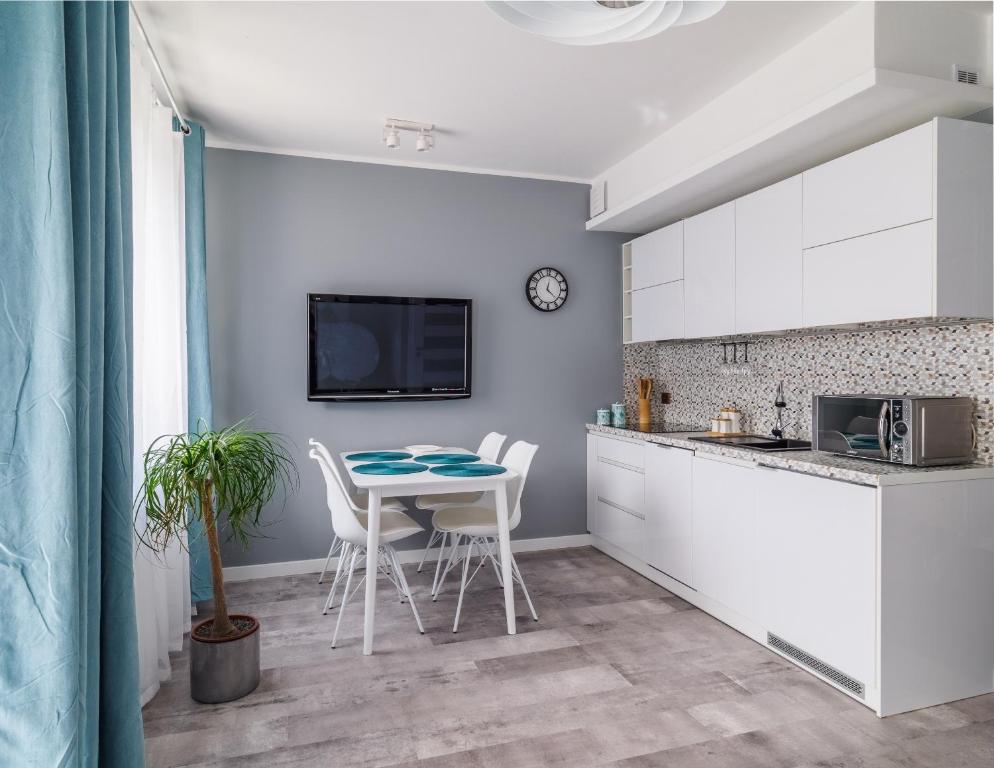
(454, 539)
(438, 564)
(343, 553)
(521, 581)
(407, 589)
(331, 553)
(462, 588)
(345, 596)
(431, 540)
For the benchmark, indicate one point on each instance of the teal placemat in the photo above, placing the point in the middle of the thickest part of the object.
(378, 456)
(448, 458)
(390, 468)
(469, 470)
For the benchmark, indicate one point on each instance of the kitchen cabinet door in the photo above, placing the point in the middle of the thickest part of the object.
(884, 185)
(709, 273)
(724, 531)
(669, 513)
(591, 483)
(657, 312)
(816, 567)
(657, 258)
(768, 284)
(884, 276)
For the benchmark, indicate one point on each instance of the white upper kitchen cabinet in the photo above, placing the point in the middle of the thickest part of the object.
(879, 187)
(657, 312)
(709, 273)
(816, 544)
(768, 283)
(669, 519)
(658, 257)
(884, 276)
(902, 229)
(724, 510)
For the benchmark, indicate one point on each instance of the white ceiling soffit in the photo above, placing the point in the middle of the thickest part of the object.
(870, 107)
(318, 79)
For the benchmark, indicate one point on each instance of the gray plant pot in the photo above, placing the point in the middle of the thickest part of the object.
(226, 669)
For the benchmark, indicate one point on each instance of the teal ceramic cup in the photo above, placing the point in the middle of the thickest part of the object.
(603, 417)
(618, 414)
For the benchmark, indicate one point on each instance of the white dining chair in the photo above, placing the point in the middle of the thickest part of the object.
(350, 528)
(475, 527)
(488, 451)
(358, 501)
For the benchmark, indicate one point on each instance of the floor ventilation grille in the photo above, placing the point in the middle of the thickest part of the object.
(825, 670)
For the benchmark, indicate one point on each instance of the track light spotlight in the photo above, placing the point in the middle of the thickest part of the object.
(391, 133)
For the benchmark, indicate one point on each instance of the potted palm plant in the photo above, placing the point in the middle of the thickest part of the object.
(222, 479)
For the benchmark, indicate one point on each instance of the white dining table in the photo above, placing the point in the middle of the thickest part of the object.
(419, 484)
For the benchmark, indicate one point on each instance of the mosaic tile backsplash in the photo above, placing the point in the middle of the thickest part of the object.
(932, 360)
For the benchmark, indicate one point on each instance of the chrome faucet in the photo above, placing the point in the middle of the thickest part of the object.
(781, 405)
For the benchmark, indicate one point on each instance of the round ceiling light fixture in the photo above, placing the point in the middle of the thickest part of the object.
(597, 22)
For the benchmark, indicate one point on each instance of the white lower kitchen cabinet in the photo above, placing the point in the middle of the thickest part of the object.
(669, 518)
(816, 569)
(882, 591)
(724, 521)
(618, 493)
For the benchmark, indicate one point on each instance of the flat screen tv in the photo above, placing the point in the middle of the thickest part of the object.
(388, 347)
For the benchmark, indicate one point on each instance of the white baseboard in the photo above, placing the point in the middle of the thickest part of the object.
(298, 567)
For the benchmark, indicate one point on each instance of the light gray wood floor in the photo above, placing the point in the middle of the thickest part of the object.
(617, 672)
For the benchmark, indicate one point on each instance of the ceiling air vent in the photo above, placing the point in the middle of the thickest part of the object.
(968, 76)
(841, 679)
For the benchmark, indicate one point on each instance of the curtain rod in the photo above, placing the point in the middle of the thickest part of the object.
(184, 126)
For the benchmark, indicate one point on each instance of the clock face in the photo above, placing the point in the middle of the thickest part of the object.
(547, 289)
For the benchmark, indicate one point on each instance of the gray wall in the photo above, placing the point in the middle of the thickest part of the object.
(279, 227)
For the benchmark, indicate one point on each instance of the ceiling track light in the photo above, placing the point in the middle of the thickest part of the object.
(425, 132)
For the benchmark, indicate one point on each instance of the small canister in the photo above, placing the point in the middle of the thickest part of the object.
(603, 417)
(618, 415)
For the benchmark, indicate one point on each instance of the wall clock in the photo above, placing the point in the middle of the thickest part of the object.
(546, 289)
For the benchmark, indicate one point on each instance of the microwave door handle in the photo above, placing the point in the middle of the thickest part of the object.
(882, 429)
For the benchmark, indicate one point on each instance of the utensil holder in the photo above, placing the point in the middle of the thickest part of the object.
(645, 412)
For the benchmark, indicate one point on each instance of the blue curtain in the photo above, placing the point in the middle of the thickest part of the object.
(198, 359)
(68, 655)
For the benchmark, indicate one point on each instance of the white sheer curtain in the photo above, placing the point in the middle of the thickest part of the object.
(162, 581)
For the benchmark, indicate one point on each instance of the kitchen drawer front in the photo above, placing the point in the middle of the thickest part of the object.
(657, 258)
(622, 528)
(621, 486)
(658, 312)
(884, 185)
(621, 452)
(884, 276)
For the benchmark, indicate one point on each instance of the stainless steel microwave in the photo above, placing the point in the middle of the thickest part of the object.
(902, 429)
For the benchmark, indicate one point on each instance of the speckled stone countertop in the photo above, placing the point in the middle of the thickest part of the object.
(862, 471)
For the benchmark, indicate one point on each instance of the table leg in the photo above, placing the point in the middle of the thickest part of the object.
(372, 555)
(504, 539)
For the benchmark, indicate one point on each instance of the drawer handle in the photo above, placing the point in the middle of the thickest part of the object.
(613, 463)
(620, 508)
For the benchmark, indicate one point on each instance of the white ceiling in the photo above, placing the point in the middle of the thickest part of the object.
(319, 79)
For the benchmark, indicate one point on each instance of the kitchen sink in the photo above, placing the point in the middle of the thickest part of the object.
(758, 443)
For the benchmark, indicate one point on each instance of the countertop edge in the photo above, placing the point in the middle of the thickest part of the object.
(828, 465)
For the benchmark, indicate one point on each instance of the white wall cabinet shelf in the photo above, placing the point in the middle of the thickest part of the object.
(669, 523)
(883, 592)
(895, 231)
(709, 273)
(768, 281)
